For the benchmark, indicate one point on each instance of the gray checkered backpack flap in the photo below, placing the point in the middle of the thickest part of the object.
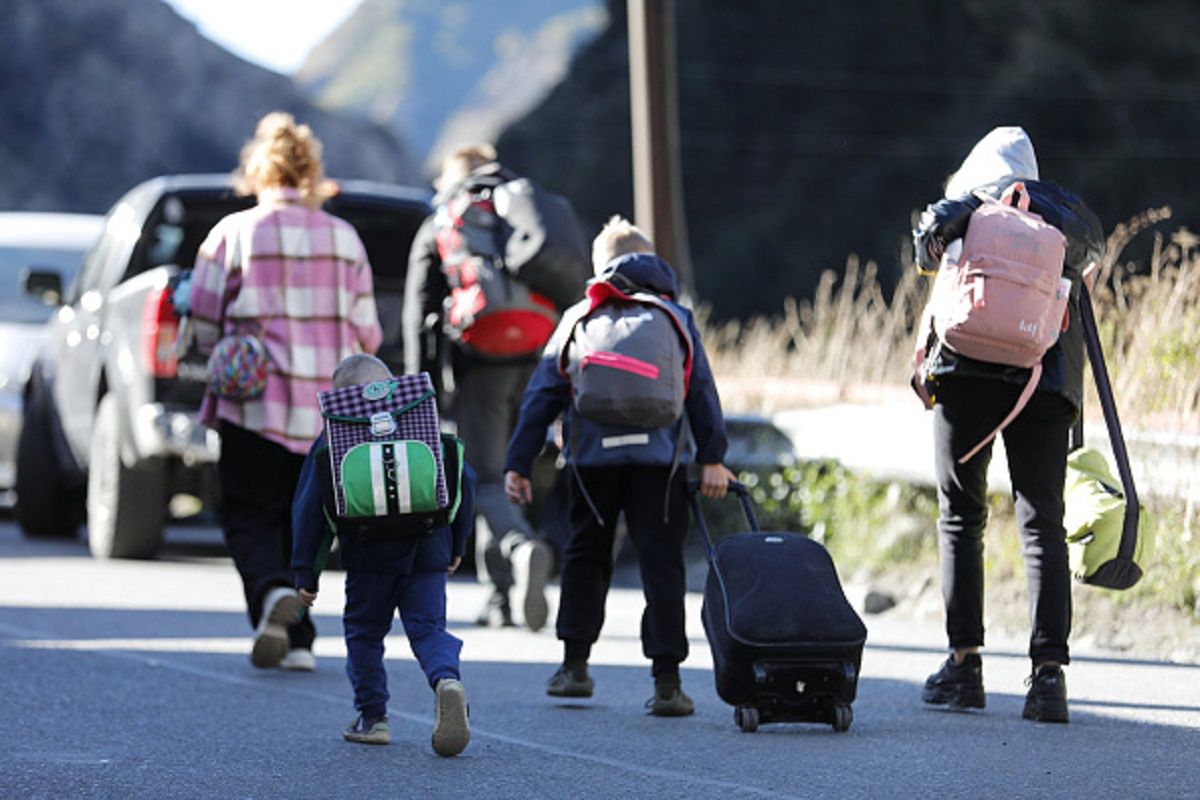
(386, 455)
(628, 359)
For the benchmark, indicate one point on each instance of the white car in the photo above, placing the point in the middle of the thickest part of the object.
(33, 248)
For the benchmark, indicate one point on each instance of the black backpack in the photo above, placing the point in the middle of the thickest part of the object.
(492, 230)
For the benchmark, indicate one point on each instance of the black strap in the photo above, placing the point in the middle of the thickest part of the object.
(1129, 530)
(738, 488)
(572, 461)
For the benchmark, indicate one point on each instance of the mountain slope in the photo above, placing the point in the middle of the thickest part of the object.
(441, 73)
(100, 95)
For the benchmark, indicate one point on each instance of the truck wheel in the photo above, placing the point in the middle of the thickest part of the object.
(48, 507)
(126, 506)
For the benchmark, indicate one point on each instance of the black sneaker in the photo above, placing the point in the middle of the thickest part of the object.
(1046, 700)
(568, 682)
(957, 685)
(669, 699)
(497, 613)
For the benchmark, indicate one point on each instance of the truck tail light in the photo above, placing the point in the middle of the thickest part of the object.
(160, 326)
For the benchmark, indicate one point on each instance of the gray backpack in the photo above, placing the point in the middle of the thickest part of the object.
(628, 359)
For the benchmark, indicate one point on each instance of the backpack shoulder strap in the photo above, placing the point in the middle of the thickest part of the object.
(452, 461)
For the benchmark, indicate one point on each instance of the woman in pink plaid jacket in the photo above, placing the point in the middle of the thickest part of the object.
(298, 279)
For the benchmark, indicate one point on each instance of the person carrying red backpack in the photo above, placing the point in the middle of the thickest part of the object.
(972, 398)
(488, 275)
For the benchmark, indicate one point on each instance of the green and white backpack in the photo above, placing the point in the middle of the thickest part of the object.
(388, 471)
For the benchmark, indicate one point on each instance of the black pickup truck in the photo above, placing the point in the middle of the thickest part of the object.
(110, 429)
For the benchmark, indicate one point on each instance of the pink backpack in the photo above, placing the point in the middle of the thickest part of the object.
(1005, 300)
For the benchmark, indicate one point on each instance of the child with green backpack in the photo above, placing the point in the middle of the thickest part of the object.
(402, 523)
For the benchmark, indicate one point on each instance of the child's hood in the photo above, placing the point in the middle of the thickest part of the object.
(1005, 153)
(641, 271)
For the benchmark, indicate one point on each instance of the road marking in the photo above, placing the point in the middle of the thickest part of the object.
(28, 638)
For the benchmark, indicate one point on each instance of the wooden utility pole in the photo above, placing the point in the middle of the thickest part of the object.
(654, 106)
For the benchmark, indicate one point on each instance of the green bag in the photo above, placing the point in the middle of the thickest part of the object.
(1095, 520)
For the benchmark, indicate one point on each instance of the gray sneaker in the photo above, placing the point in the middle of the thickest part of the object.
(669, 699)
(281, 610)
(570, 683)
(451, 730)
(368, 731)
(531, 565)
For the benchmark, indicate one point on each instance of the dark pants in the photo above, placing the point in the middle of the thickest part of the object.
(639, 492)
(1036, 446)
(486, 409)
(258, 478)
(371, 603)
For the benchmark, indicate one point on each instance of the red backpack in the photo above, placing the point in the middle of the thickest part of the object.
(488, 312)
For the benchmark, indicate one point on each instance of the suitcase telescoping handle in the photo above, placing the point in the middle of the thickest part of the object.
(1129, 529)
(738, 488)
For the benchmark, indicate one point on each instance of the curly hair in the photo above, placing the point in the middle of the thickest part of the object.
(281, 154)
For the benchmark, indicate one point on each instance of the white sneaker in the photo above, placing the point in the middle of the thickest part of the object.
(531, 563)
(451, 731)
(299, 659)
(281, 609)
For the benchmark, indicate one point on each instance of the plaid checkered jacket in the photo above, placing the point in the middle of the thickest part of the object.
(299, 279)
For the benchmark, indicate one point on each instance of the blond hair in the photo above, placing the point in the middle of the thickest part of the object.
(618, 237)
(359, 368)
(282, 154)
(462, 162)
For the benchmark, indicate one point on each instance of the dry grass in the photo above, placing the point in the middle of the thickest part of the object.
(849, 338)
(850, 342)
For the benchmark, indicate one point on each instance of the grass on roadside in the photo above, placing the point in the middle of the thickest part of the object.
(851, 334)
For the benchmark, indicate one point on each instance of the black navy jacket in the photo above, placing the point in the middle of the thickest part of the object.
(549, 393)
(947, 220)
(312, 535)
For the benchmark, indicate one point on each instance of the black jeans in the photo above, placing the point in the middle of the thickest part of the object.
(258, 478)
(640, 492)
(1036, 445)
(486, 410)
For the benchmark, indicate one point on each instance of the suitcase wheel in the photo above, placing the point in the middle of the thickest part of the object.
(843, 715)
(746, 718)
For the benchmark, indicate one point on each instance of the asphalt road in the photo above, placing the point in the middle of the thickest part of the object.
(131, 680)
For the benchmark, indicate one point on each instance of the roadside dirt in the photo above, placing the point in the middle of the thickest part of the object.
(1103, 620)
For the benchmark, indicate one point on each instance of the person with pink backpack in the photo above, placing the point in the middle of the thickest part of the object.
(1000, 351)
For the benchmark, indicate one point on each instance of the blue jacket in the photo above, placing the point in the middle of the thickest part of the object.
(549, 394)
(312, 535)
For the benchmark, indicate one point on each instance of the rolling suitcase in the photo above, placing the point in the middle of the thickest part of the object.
(786, 643)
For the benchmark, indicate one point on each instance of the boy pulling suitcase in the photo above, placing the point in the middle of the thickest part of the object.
(618, 465)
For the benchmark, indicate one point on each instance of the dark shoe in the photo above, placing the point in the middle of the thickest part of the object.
(1046, 700)
(957, 685)
(669, 699)
(570, 682)
(451, 731)
(496, 614)
(281, 610)
(531, 569)
(368, 731)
